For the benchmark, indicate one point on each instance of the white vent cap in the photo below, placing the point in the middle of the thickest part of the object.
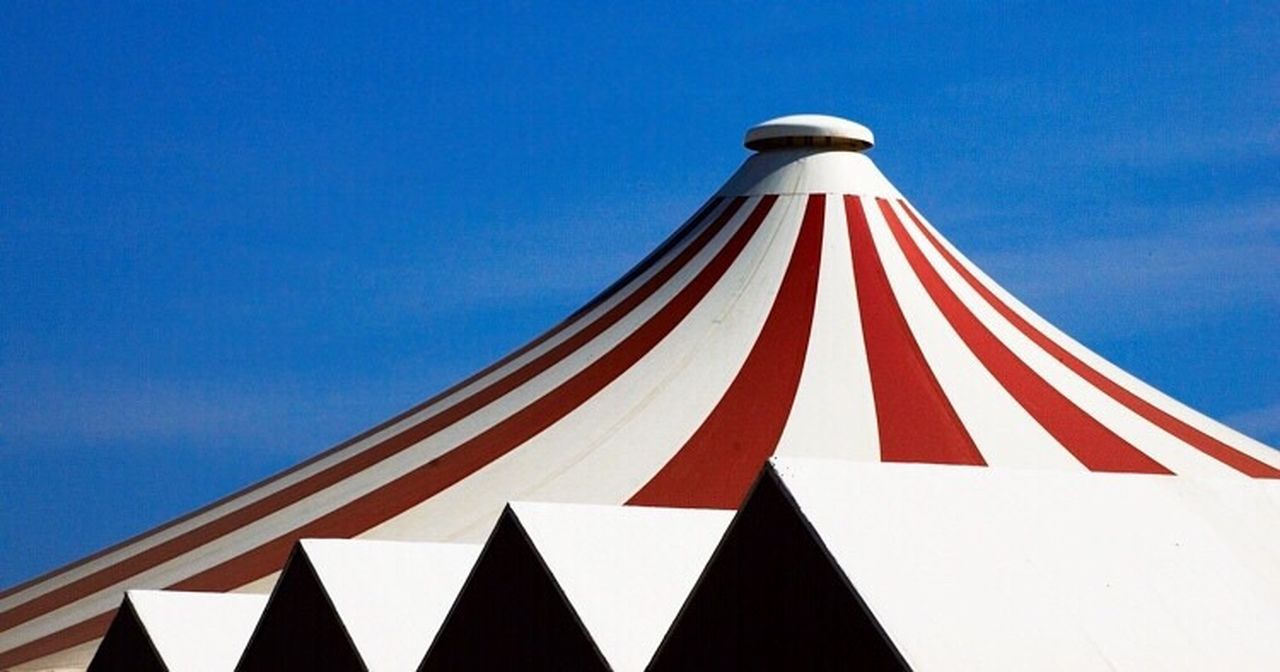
(809, 130)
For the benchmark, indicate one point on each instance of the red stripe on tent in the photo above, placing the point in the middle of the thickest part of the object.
(645, 264)
(429, 479)
(210, 531)
(85, 631)
(916, 420)
(717, 465)
(1091, 442)
(1190, 435)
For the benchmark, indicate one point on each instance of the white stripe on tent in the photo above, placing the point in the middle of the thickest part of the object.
(834, 413)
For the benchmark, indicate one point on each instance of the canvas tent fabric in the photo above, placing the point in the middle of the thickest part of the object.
(169, 631)
(936, 568)
(583, 587)
(807, 309)
(364, 606)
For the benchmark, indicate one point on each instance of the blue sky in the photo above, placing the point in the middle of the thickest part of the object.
(232, 236)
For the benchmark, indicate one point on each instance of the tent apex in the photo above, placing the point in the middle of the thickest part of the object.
(809, 130)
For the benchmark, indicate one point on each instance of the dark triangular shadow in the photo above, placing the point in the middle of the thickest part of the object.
(772, 598)
(511, 614)
(127, 647)
(300, 630)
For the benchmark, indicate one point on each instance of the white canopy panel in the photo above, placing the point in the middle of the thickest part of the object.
(390, 596)
(625, 570)
(610, 579)
(197, 632)
(983, 569)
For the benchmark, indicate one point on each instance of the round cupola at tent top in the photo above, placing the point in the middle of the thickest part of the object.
(806, 309)
(809, 130)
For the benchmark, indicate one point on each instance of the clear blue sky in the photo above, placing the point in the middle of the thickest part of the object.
(233, 236)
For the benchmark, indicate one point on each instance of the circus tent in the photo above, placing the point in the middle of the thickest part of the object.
(807, 309)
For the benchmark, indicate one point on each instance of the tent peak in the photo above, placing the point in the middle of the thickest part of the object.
(809, 130)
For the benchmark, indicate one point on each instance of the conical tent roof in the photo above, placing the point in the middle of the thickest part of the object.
(807, 309)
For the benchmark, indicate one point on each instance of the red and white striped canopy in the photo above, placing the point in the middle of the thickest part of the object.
(807, 309)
